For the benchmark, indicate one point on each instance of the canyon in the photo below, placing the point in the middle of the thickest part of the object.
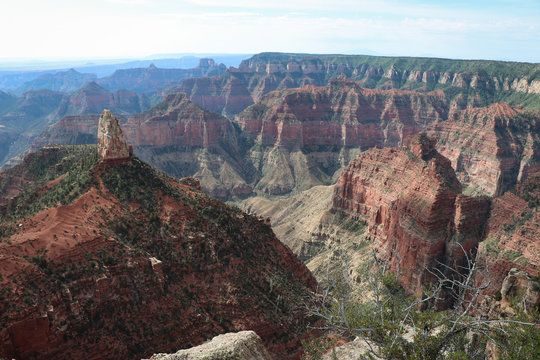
(48, 98)
(416, 215)
(294, 139)
(406, 205)
(24, 118)
(419, 162)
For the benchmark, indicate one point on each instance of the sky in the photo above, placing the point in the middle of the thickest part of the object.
(81, 29)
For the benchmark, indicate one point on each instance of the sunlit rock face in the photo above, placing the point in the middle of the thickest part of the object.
(111, 142)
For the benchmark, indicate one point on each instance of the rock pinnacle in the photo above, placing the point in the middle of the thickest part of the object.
(111, 142)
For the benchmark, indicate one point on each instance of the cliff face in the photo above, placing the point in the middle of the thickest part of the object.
(294, 139)
(303, 137)
(411, 201)
(341, 114)
(513, 232)
(179, 121)
(238, 88)
(183, 139)
(134, 263)
(112, 145)
(490, 148)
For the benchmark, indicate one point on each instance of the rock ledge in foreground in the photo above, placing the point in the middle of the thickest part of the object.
(243, 345)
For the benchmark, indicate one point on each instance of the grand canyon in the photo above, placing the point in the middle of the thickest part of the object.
(169, 213)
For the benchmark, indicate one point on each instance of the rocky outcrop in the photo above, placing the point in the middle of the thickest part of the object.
(244, 345)
(519, 284)
(236, 89)
(352, 350)
(111, 143)
(135, 263)
(490, 148)
(411, 201)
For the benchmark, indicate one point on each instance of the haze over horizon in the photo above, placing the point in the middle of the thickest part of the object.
(64, 29)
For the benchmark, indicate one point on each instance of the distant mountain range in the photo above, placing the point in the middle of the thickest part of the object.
(14, 76)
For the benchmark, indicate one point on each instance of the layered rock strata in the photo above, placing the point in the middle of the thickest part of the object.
(303, 137)
(292, 140)
(412, 202)
(182, 139)
(240, 87)
(342, 114)
(490, 148)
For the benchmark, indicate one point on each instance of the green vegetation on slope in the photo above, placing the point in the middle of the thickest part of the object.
(72, 163)
(491, 68)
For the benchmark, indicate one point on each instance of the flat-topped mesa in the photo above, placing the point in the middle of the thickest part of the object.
(112, 145)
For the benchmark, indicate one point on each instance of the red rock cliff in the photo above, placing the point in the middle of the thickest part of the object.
(236, 89)
(412, 202)
(490, 148)
(178, 121)
(341, 114)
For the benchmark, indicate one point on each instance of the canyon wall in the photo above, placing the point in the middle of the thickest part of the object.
(411, 200)
(294, 139)
(490, 148)
(479, 82)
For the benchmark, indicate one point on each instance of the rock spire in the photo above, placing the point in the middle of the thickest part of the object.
(111, 142)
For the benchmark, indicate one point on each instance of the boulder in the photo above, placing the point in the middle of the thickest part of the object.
(243, 345)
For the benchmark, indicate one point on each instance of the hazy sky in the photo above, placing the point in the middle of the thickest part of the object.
(45, 29)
